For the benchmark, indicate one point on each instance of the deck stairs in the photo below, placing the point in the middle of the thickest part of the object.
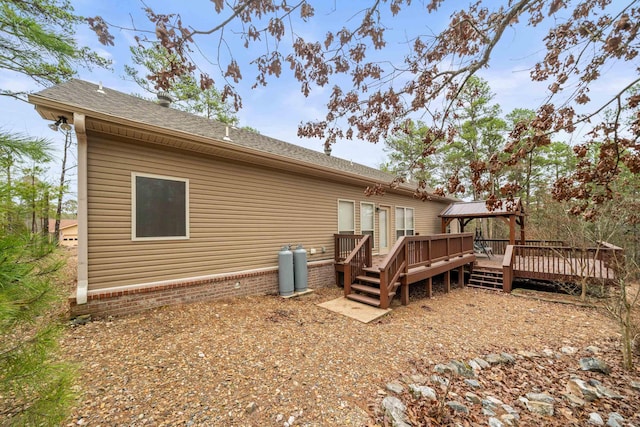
(486, 279)
(366, 288)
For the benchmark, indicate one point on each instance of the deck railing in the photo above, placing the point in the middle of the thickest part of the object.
(499, 246)
(344, 245)
(416, 251)
(359, 258)
(561, 263)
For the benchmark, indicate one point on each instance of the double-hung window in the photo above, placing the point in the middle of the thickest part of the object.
(160, 207)
(367, 220)
(404, 222)
(346, 217)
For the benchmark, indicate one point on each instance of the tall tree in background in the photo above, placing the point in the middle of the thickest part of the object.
(62, 187)
(528, 171)
(185, 90)
(372, 99)
(479, 137)
(407, 158)
(16, 153)
(37, 39)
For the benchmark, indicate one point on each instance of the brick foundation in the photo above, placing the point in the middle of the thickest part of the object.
(110, 303)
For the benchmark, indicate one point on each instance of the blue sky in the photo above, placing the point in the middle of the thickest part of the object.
(277, 109)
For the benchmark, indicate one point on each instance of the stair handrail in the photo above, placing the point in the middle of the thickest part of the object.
(397, 261)
(392, 267)
(354, 264)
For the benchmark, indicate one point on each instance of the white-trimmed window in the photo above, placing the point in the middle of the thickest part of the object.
(159, 207)
(367, 212)
(404, 222)
(346, 217)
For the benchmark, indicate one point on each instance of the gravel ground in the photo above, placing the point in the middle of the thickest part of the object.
(264, 360)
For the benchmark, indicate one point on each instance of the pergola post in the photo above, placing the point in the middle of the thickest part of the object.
(512, 229)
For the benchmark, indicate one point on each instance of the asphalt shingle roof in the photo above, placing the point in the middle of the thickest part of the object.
(83, 96)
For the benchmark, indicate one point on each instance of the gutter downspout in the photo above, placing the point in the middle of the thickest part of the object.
(83, 252)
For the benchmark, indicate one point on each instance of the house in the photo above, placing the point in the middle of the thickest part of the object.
(173, 207)
(68, 231)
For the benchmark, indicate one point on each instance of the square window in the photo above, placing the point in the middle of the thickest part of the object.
(160, 207)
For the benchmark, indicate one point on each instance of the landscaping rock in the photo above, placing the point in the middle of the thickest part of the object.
(462, 369)
(395, 409)
(251, 407)
(510, 410)
(528, 354)
(574, 400)
(507, 358)
(457, 407)
(549, 353)
(494, 400)
(483, 363)
(395, 388)
(568, 350)
(422, 391)
(615, 420)
(593, 364)
(494, 422)
(541, 397)
(603, 391)
(444, 382)
(474, 365)
(473, 383)
(494, 359)
(509, 420)
(536, 407)
(595, 419)
(473, 398)
(635, 385)
(583, 390)
(442, 369)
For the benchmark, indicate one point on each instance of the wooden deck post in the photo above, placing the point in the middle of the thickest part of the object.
(447, 281)
(404, 291)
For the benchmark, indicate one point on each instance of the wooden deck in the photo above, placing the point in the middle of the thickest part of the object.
(412, 259)
(420, 258)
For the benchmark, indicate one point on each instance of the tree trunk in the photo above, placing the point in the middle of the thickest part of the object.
(67, 145)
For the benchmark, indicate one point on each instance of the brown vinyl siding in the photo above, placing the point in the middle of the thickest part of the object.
(240, 215)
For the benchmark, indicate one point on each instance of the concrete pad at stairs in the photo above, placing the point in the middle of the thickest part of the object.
(355, 310)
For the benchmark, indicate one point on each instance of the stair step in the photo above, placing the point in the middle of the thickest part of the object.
(487, 272)
(483, 280)
(366, 289)
(485, 283)
(369, 279)
(489, 288)
(372, 270)
(364, 299)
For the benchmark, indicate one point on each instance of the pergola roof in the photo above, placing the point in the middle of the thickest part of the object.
(510, 211)
(478, 209)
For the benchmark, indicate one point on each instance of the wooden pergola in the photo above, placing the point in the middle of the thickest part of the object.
(510, 212)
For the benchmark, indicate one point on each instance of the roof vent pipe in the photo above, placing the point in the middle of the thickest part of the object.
(327, 149)
(164, 99)
(226, 134)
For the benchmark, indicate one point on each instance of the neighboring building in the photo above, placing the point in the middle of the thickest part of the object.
(173, 207)
(68, 231)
